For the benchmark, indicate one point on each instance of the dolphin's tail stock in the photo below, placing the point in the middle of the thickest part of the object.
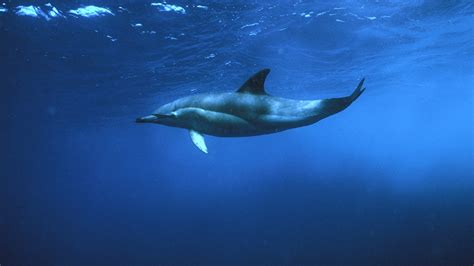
(335, 105)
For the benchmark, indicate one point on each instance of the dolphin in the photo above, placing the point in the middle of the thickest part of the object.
(250, 111)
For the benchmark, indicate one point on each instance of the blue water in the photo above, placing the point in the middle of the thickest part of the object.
(388, 181)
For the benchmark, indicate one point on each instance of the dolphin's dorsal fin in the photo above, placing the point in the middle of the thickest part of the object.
(198, 140)
(255, 84)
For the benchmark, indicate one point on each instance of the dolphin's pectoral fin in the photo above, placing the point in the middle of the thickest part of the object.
(255, 84)
(198, 140)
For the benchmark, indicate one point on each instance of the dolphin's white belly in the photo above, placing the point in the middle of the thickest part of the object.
(215, 123)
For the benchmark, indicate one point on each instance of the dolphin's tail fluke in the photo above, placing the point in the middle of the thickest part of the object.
(358, 91)
(335, 105)
(344, 102)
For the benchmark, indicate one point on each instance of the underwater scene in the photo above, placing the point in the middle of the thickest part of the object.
(239, 132)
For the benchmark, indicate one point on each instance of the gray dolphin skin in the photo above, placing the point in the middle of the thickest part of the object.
(249, 111)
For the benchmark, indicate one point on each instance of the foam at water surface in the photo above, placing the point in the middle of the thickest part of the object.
(47, 12)
(53, 11)
(91, 11)
(202, 7)
(169, 8)
(31, 11)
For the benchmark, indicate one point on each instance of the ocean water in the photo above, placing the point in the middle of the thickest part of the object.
(388, 181)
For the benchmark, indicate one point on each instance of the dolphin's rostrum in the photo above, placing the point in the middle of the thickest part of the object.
(249, 111)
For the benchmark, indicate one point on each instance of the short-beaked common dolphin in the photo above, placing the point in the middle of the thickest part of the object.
(249, 111)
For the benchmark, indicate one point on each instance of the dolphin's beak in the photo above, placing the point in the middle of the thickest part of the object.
(146, 119)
